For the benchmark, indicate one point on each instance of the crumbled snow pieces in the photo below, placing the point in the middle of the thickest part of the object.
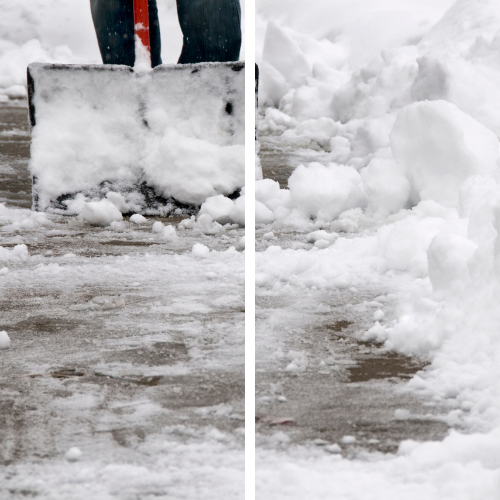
(377, 333)
(321, 235)
(100, 303)
(158, 226)
(378, 315)
(200, 251)
(142, 62)
(187, 223)
(348, 439)
(219, 208)
(208, 226)
(138, 219)
(73, 455)
(402, 414)
(168, 233)
(101, 213)
(119, 201)
(223, 210)
(19, 253)
(4, 340)
(298, 361)
(334, 449)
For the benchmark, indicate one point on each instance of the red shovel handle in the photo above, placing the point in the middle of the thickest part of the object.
(141, 22)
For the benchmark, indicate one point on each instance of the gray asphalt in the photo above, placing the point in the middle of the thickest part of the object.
(83, 352)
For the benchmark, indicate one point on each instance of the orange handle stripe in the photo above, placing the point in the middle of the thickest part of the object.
(141, 19)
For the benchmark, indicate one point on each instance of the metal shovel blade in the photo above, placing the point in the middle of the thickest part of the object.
(164, 140)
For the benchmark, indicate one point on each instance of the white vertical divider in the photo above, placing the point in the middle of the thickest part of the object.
(250, 112)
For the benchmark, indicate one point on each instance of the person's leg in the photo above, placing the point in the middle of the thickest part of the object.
(211, 29)
(114, 26)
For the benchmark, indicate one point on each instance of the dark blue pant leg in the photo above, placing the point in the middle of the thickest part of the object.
(211, 29)
(114, 26)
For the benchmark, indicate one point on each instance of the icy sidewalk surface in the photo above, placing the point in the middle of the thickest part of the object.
(174, 134)
(127, 343)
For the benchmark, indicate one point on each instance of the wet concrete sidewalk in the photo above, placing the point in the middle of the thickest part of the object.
(116, 335)
(345, 391)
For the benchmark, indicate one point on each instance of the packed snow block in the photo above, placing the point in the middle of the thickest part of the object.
(164, 140)
(439, 147)
(325, 192)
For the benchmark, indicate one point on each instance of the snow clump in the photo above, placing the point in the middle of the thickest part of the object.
(101, 213)
(138, 219)
(73, 454)
(4, 340)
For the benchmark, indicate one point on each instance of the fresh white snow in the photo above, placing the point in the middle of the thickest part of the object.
(396, 105)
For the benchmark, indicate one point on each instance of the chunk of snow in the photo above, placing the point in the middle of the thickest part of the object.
(169, 233)
(73, 454)
(200, 251)
(348, 439)
(4, 340)
(219, 208)
(101, 213)
(138, 219)
(157, 227)
(326, 191)
(119, 201)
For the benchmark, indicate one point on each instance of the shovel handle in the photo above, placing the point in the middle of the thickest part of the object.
(141, 22)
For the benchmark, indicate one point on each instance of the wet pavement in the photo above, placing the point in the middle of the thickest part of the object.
(342, 391)
(116, 335)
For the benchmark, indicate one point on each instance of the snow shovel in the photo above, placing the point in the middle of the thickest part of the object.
(153, 141)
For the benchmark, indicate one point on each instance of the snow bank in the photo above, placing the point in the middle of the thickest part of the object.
(403, 190)
(178, 130)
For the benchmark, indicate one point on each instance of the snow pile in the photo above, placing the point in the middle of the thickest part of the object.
(404, 192)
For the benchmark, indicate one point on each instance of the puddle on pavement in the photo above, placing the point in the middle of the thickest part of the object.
(128, 243)
(44, 324)
(373, 363)
(339, 326)
(66, 373)
(386, 365)
(158, 354)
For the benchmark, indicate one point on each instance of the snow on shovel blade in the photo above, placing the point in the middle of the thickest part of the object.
(165, 139)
